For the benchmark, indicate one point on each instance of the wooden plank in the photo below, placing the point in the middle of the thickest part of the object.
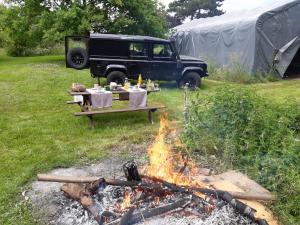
(78, 93)
(72, 102)
(118, 110)
(114, 92)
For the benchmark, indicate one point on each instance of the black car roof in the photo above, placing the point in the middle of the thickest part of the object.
(127, 37)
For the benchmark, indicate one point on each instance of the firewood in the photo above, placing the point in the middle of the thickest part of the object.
(125, 220)
(137, 217)
(75, 191)
(147, 213)
(80, 193)
(238, 195)
(93, 180)
(65, 179)
(70, 179)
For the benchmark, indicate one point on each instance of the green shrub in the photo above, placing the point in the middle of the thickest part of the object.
(253, 134)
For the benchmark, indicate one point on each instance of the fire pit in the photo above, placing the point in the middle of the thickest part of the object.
(166, 191)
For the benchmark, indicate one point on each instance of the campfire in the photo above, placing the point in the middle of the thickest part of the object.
(168, 185)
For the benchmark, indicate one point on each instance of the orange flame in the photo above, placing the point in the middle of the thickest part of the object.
(126, 203)
(156, 200)
(163, 163)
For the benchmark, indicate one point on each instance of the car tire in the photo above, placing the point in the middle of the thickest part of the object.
(77, 58)
(193, 79)
(116, 76)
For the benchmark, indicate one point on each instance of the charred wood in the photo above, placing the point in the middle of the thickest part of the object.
(137, 217)
(131, 171)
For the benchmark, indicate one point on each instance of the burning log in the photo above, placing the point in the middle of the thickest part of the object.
(187, 189)
(242, 208)
(147, 213)
(157, 211)
(125, 220)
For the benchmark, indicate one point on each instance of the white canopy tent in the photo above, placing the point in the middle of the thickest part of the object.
(258, 40)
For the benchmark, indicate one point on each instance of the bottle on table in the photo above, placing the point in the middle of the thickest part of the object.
(126, 84)
(140, 80)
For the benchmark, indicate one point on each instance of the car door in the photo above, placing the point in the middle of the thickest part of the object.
(138, 62)
(164, 62)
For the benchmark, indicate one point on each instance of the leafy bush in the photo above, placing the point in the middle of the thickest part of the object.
(253, 134)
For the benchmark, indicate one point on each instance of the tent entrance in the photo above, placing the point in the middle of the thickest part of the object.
(293, 71)
(288, 56)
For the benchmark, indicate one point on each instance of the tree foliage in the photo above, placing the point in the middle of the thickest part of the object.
(195, 9)
(3, 36)
(43, 23)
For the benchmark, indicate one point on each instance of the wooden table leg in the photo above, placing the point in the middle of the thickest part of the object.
(92, 121)
(150, 117)
(86, 104)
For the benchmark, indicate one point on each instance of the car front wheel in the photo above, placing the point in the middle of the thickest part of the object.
(191, 79)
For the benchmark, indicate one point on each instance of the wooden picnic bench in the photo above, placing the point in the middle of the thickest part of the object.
(90, 114)
(86, 109)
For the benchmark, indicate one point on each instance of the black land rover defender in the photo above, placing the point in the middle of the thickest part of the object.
(120, 56)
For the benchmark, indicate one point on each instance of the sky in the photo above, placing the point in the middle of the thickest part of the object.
(235, 5)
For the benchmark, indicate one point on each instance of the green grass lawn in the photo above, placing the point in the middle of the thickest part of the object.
(38, 131)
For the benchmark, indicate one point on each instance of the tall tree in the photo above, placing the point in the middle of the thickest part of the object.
(3, 34)
(195, 9)
(45, 22)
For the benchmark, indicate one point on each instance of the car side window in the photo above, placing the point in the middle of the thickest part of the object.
(162, 51)
(138, 50)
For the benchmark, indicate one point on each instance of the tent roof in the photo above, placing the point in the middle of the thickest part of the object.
(225, 20)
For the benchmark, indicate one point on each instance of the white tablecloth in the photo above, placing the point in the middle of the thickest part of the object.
(78, 98)
(100, 99)
(137, 98)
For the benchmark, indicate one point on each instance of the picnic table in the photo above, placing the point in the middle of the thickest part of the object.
(118, 95)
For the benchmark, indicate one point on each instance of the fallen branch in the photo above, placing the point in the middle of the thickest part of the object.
(69, 179)
(65, 179)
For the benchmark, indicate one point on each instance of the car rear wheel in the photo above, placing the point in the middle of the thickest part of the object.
(77, 58)
(191, 79)
(116, 76)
